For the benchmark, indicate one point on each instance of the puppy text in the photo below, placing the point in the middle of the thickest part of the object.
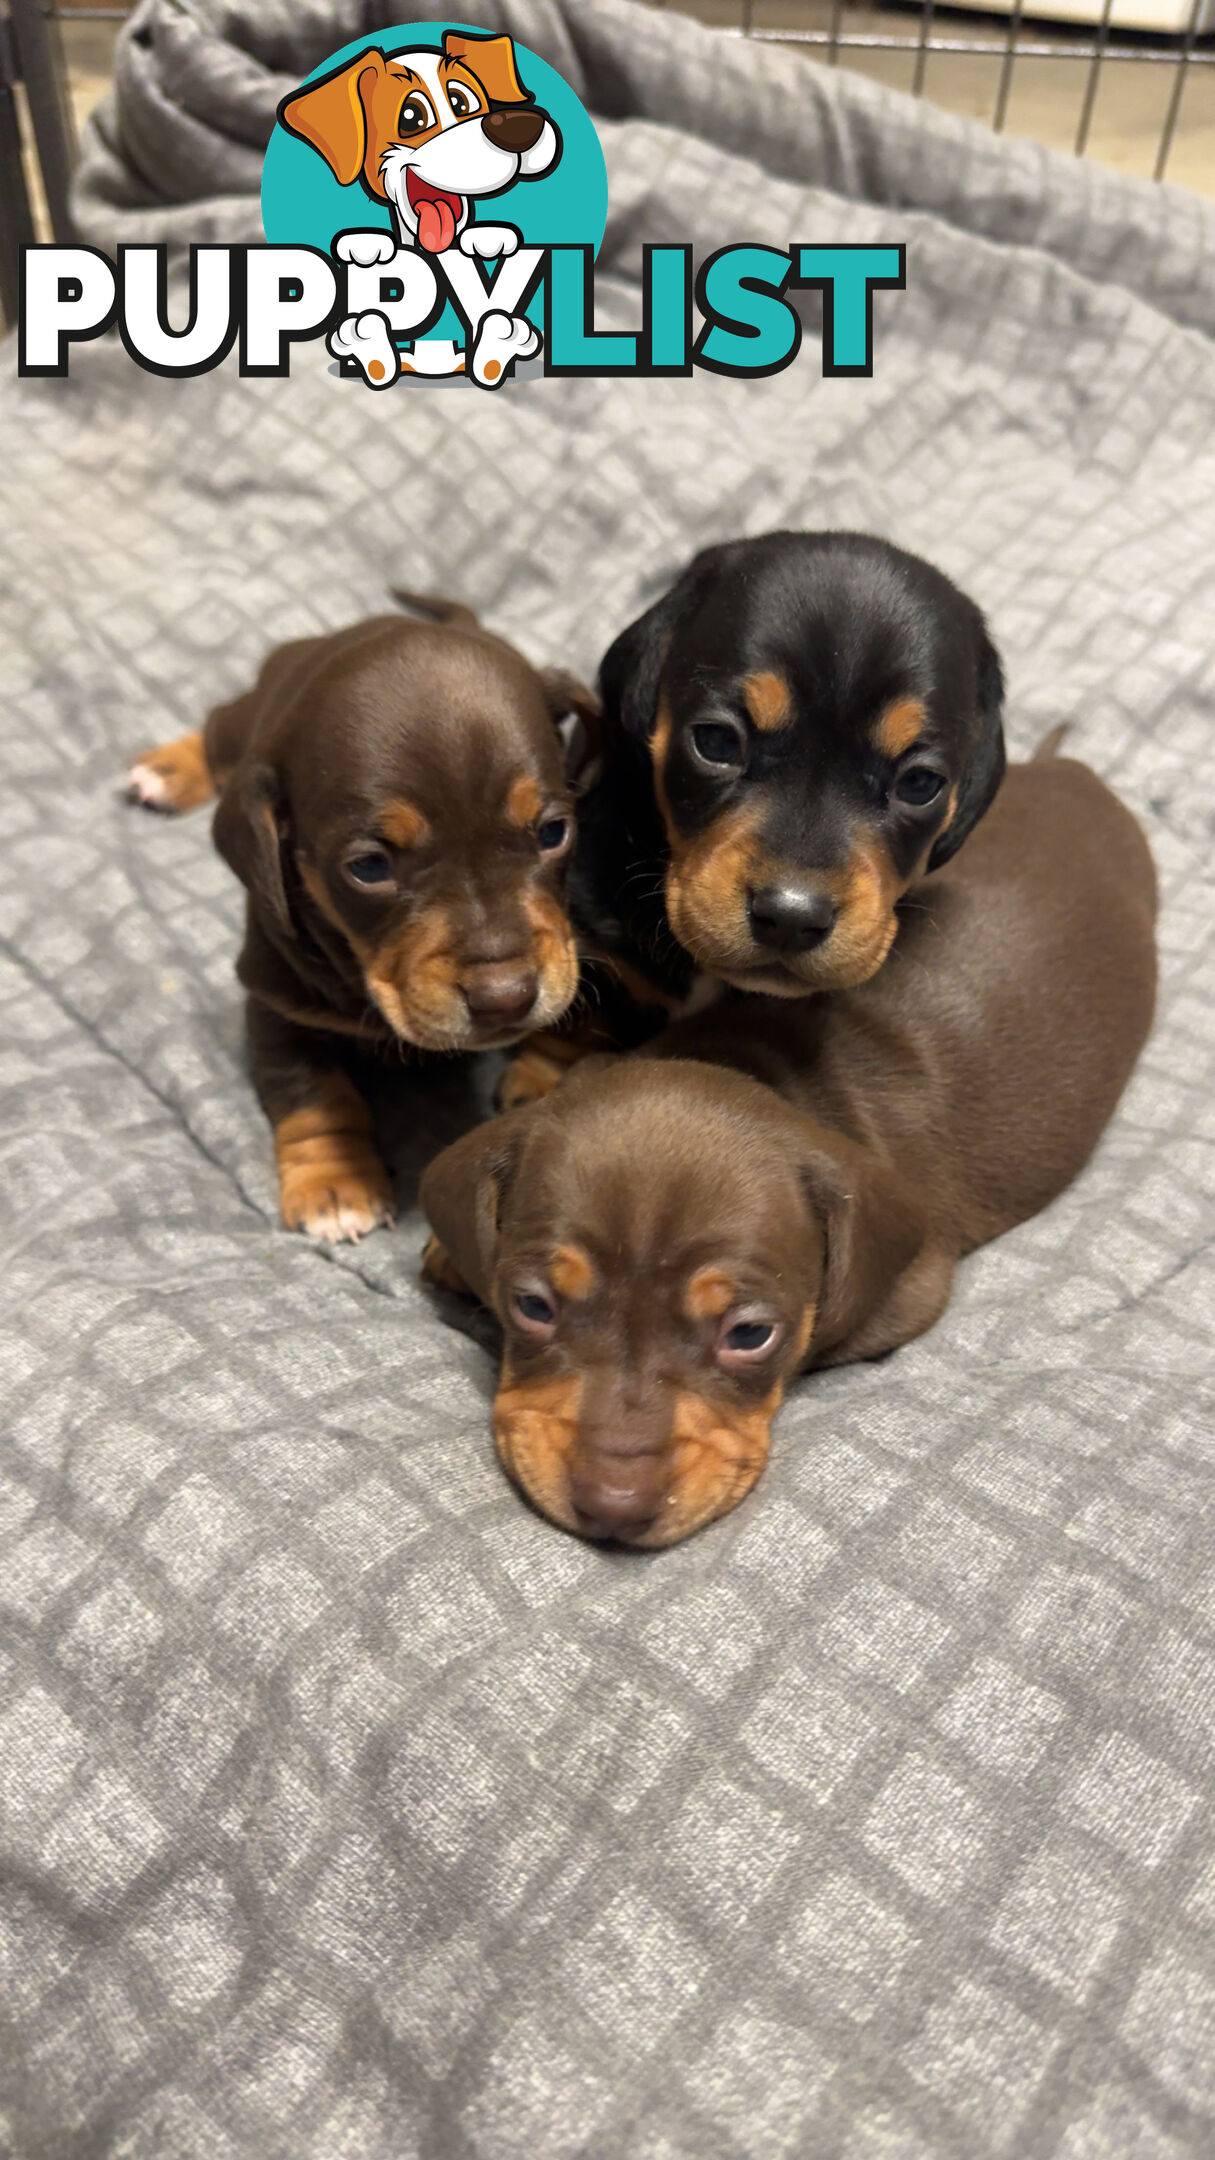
(736, 313)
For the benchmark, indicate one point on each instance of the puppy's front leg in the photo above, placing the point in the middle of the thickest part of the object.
(331, 1182)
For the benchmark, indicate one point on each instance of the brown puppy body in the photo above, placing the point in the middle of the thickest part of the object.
(775, 1185)
(393, 798)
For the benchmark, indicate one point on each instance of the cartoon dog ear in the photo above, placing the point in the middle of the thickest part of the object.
(986, 768)
(492, 61)
(331, 115)
(464, 1189)
(246, 833)
(874, 1233)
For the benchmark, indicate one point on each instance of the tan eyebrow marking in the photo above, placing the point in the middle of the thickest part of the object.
(403, 823)
(709, 1294)
(407, 74)
(768, 699)
(900, 725)
(572, 1272)
(524, 801)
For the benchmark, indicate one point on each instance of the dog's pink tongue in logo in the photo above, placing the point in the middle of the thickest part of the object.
(437, 211)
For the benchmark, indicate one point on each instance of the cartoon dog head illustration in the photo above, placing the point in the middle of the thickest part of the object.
(428, 132)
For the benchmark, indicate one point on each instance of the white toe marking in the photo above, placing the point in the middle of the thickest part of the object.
(341, 1222)
(147, 786)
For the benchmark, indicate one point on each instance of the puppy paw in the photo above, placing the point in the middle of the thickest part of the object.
(489, 241)
(501, 340)
(365, 248)
(337, 1208)
(331, 1182)
(529, 1077)
(365, 340)
(175, 777)
(439, 1268)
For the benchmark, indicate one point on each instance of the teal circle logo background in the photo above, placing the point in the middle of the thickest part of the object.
(303, 204)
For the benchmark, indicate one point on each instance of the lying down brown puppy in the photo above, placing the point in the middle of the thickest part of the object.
(393, 797)
(667, 1242)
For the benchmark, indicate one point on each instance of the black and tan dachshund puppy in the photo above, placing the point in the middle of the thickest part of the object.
(801, 726)
(815, 719)
(668, 1238)
(393, 798)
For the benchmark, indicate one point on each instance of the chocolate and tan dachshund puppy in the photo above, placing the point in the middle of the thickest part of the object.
(393, 798)
(667, 1239)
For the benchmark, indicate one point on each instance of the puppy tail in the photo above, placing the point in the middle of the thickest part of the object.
(1049, 745)
(451, 613)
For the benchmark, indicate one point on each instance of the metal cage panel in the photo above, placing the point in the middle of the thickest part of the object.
(1130, 82)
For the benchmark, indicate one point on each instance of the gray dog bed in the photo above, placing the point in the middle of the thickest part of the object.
(347, 1809)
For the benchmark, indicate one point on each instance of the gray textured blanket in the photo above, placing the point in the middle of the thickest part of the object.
(346, 1809)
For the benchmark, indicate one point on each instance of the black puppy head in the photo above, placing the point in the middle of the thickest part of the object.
(403, 806)
(823, 713)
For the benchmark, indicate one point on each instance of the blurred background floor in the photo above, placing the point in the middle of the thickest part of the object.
(1046, 94)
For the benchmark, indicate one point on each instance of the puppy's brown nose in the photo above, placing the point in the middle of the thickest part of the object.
(621, 1502)
(499, 996)
(791, 918)
(513, 130)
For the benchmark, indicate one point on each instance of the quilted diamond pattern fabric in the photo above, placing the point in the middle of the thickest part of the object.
(346, 1809)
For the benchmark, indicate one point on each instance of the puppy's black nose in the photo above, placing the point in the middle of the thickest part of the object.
(513, 130)
(791, 918)
(624, 1503)
(499, 997)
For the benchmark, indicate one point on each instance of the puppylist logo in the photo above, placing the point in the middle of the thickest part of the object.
(433, 200)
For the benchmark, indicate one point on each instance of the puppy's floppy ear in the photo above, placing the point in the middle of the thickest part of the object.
(492, 61)
(630, 673)
(330, 115)
(985, 769)
(570, 700)
(874, 1232)
(463, 1191)
(246, 833)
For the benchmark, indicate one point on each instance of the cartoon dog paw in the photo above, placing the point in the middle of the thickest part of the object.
(489, 241)
(501, 340)
(365, 339)
(365, 248)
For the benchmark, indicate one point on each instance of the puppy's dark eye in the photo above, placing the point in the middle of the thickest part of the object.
(415, 115)
(750, 1335)
(460, 101)
(748, 1339)
(918, 786)
(370, 869)
(552, 834)
(534, 1312)
(718, 744)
